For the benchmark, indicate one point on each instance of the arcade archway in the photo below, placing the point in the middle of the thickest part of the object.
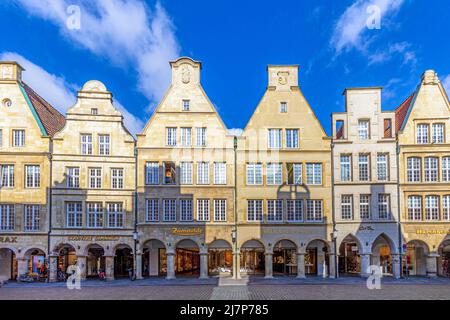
(220, 258)
(8, 264)
(154, 259)
(285, 258)
(95, 261)
(252, 258)
(349, 259)
(123, 261)
(416, 258)
(187, 258)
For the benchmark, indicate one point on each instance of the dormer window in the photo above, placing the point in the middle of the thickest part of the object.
(18, 138)
(94, 111)
(283, 107)
(363, 129)
(186, 105)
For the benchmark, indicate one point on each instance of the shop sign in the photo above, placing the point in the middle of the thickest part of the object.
(93, 238)
(8, 239)
(187, 232)
(366, 228)
(432, 231)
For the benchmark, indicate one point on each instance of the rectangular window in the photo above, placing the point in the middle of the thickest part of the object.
(202, 210)
(170, 173)
(103, 144)
(171, 137)
(431, 208)
(200, 137)
(115, 215)
(431, 168)
(186, 105)
(18, 138)
(7, 217)
(152, 210)
(364, 207)
(314, 173)
(186, 137)
(86, 144)
(364, 171)
(202, 173)
(446, 207)
(274, 173)
(274, 210)
(169, 210)
(314, 210)
(151, 173)
(423, 133)
(346, 168)
(382, 167)
(32, 217)
(347, 207)
(220, 173)
(74, 215)
(292, 138)
(283, 107)
(117, 178)
(254, 174)
(294, 210)
(32, 176)
(220, 210)
(7, 176)
(446, 169)
(95, 178)
(94, 215)
(186, 172)
(186, 210)
(414, 169)
(363, 129)
(414, 208)
(383, 207)
(274, 138)
(255, 210)
(73, 177)
(438, 133)
(294, 173)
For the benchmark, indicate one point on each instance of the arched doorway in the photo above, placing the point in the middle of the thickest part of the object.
(317, 258)
(252, 258)
(349, 260)
(382, 249)
(154, 259)
(220, 258)
(37, 264)
(8, 264)
(416, 258)
(285, 258)
(444, 259)
(95, 261)
(187, 258)
(123, 261)
(66, 257)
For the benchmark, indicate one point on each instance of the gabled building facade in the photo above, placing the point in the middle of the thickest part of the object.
(284, 185)
(185, 183)
(424, 145)
(93, 189)
(27, 123)
(365, 184)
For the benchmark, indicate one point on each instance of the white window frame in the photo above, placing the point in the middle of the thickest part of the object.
(292, 138)
(220, 173)
(294, 210)
(446, 207)
(414, 208)
(423, 133)
(95, 178)
(32, 217)
(94, 215)
(346, 167)
(200, 137)
(203, 210)
(283, 107)
(152, 173)
(117, 178)
(73, 177)
(186, 210)
(364, 207)
(363, 129)
(313, 177)
(220, 210)
(203, 173)
(171, 136)
(74, 218)
(364, 167)
(18, 138)
(186, 173)
(255, 210)
(382, 167)
(432, 208)
(186, 105)
(254, 174)
(346, 207)
(275, 211)
(274, 174)
(438, 133)
(186, 137)
(169, 210)
(32, 176)
(274, 138)
(314, 210)
(414, 169)
(431, 169)
(86, 144)
(115, 215)
(152, 210)
(446, 169)
(104, 144)
(297, 174)
(384, 212)
(7, 217)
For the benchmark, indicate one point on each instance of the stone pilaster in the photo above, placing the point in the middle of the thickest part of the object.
(53, 268)
(138, 266)
(396, 265)
(170, 265)
(333, 267)
(109, 266)
(365, 264)
(269, 265)
(22, 266)
(81, 263)
(203, 265)
(432, 264)
(301, 265)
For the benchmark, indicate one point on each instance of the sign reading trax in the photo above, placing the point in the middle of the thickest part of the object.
(186, 195)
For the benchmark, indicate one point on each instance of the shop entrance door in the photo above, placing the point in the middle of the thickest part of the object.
(187, 258)
(123, 263)
(285, 258)
(8, 264)
(220, 258)
(95, 262)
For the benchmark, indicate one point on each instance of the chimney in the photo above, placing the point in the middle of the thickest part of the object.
(10, 71)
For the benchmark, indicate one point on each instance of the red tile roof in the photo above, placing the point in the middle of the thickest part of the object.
(51, 119)
(401, 112)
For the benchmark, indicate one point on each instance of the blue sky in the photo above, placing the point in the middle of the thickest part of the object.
(127, 45)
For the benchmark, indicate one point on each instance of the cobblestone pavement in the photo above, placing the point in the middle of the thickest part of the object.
(227, 289)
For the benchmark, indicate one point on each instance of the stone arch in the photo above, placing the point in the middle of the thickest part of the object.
(219, 243)
(281, 239)
(317, 259)
(86, 248)
(121, 246)
(388, 240)
(252, 243)
(352, 236)
(220, 257)
(151, 260)
(58, 247)
(28, 251)
(187, 241)
(383, 257)
(417, 252)
(13, 249)
(252, 257)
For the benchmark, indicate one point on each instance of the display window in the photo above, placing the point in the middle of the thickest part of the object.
(252, 261)
(349, 261)
(220, 261)
(187, 261)
(311, 261)
(285, 261)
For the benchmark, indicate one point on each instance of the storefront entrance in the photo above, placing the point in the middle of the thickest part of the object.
(154, 259)
(317, 258)
(37, 264)
(8, 264)
(123, 262)
(252, 258)
(187, 258)
(95, 261)
(381, 254)
(285, 258)
(220, 258)
(415, 263)
(67, 257)
(349, 262)
(444, 259)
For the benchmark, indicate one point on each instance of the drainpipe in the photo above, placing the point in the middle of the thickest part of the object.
(50, 209)
(400, 245)
(135, 233)
(234, 229)
(334, 234)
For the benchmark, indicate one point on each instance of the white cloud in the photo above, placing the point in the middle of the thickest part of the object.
(235, 132)
(351, 26)
(446, 84)
(127, 32)
(58, 92)
(403, 49)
